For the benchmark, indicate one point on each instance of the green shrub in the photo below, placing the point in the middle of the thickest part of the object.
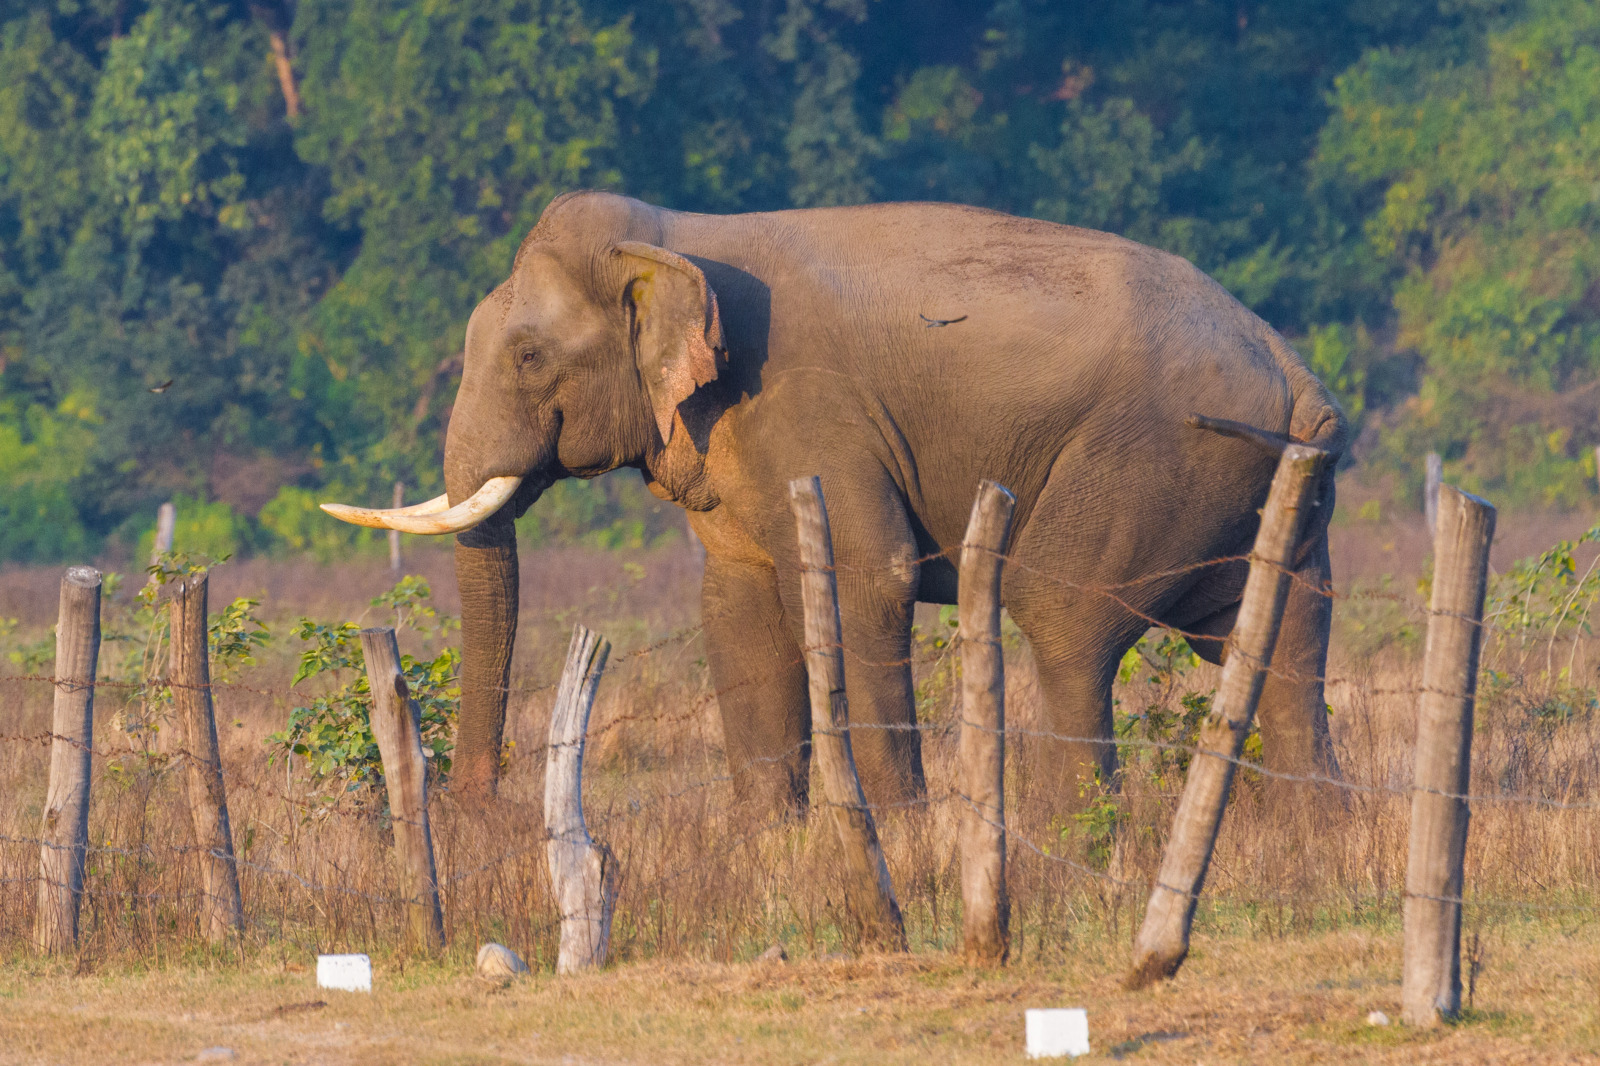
(293, 520)
(333, 732)
(202, 529)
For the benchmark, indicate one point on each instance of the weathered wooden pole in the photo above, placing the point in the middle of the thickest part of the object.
(985, 905)
(222, 912)
(397, 727)
(867, 889)
(166, 526)
(1432, 478)
(64, 836)
(1163, 940)
(1430, 984)
(394, 534)
(582, 873)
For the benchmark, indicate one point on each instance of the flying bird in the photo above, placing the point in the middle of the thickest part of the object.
(163, 387)
(935, 322)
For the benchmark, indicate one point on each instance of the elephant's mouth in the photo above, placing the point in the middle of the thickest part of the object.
(436, 516)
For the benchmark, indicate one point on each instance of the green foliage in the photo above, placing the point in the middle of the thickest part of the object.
(333, 732)
(1481, 169)
(166, 117)
(213, 530)
(41, 452)
(1537, 615)
(293, 521)
(1408, 186)
(234, 635)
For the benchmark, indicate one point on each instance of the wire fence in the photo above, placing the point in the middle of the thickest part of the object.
(711, 867)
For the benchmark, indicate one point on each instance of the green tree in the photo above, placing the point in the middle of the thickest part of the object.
(1481, 172)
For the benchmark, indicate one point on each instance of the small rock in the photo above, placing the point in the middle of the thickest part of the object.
(773, 954)
(216, 1054)
(341, 1025)
(1377, 1017)
(496, 962)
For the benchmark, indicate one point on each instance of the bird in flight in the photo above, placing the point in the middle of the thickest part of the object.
(163, 387)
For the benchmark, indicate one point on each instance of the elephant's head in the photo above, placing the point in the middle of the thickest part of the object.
(576, 365)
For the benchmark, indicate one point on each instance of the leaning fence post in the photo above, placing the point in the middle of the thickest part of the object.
(985, 905)
(1431, 971)
(397, 727)
(1432, 478)
(64, 837)
(1163, 940)
(394, 534)
(222, 913)
(867, 888)
(582, 873)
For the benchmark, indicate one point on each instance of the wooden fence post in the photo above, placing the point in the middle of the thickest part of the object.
(1163, 940)
(985, 905)
(1432, 478)
(867, 889)
(397, 727)
(394, 534)
(582, 873)
(222, 913)
(64, 836)
(166, 526)
(1431, 971)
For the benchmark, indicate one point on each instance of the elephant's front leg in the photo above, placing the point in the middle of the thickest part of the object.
(760, 679)
(875, 560)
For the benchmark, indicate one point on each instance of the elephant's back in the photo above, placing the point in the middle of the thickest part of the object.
(991, 346)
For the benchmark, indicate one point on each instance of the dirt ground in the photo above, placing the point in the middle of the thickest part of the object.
(1298, 1000)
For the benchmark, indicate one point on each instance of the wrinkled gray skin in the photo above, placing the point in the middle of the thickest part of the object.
(782, 345)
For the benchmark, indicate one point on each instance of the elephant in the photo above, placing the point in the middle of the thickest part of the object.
(902, 352)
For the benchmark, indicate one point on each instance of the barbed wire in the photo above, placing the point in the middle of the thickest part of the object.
(623, 810)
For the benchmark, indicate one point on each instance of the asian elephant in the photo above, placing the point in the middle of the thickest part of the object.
(903, 352)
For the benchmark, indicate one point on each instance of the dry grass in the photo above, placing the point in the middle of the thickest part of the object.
(1300, 999)
(1296, 941)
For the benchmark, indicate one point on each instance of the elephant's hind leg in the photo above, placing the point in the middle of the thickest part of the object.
(1294, 709)
(1076, 646)
(760, 678)
(1293, 713)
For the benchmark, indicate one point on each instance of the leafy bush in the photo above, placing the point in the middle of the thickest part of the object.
(333, 732)
(201, 529)
(294, 520)
(41, 451)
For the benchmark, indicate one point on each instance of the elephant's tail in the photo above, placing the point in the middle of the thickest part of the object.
(1318, 420)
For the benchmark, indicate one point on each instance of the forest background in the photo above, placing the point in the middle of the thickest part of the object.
(288, 209)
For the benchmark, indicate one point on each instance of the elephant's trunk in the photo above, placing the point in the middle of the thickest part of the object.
(486, 571)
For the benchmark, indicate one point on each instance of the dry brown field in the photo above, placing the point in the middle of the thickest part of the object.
(1297, 939)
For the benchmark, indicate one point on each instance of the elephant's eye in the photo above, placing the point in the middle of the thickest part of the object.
(527, 357)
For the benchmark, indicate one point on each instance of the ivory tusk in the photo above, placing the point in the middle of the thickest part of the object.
(433, 517)
(433, 506)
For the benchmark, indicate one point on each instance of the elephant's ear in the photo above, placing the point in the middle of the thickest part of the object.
(677, 334)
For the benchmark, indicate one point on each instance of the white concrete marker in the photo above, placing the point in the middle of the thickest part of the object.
(1057, 1032)
(346, 973)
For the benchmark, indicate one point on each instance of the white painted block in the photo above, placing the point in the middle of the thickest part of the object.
(346, 973)
(1057, 1032)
